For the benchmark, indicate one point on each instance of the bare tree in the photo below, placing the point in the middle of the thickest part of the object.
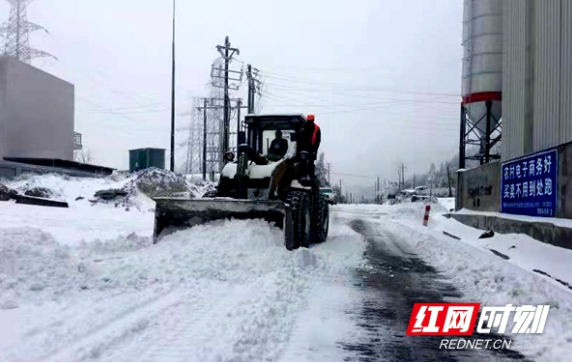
(322, 170)
(84, 156)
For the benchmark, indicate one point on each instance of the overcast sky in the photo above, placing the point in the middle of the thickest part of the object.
(381, 76)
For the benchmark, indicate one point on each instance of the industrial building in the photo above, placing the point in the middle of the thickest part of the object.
(518, 59)
(537, 76)
(37, 122)
(36, 112)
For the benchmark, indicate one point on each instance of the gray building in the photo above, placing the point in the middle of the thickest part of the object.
(537, 75)
(536, 110)
(36, 113)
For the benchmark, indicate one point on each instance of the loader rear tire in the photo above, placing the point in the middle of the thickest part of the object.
(301, 220)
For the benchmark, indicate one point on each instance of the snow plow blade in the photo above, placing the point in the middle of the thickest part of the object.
(174, 214)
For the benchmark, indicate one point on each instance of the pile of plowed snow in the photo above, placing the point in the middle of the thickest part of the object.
(31, 262)
(140, 187)
(124, 210)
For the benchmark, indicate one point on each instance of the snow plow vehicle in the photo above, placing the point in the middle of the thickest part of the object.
(269, 180)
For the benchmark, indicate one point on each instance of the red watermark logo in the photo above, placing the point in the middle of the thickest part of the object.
(460, 318)
(443, 319)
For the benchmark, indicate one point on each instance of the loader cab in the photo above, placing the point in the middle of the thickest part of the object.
(261, 131)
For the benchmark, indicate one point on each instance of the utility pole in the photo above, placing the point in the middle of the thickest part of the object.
(204, 139)
(226, 121)
(253, 87)
(329, 170)
(227, 54)
(173, 96)
(449, 178)
(377, 192)
(414, 181)
(238, 107)
(250, 89)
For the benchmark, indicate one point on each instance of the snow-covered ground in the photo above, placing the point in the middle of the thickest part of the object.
(484, 277)
(447, 203)
(86, 283)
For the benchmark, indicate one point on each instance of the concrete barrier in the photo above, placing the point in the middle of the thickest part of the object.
(479, 188)
(541, 231)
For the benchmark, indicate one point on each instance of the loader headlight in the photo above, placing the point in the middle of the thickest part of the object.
(304, 155)
(229, 156)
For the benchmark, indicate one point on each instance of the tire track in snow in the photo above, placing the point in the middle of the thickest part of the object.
(397, 279)
(90, 344)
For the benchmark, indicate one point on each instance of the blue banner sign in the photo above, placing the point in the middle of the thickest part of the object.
(529, 185)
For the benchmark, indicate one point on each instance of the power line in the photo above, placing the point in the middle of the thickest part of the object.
(435, 122)
(354, 175)
(340, 109)
(363, 88)
(342, 93)
(136, 99)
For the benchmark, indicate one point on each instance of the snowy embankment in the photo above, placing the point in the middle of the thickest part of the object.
(85, 283)
(485, 277)
(82, 221)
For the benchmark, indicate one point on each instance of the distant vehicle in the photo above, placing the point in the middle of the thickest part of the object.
(407, 192)
(331, 197)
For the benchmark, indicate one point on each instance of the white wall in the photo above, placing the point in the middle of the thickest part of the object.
(537, 75)
(37, 112)
(3, 138)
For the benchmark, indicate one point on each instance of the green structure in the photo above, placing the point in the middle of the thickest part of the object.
(140, 159)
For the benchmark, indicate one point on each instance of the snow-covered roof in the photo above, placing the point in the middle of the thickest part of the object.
(276, 114)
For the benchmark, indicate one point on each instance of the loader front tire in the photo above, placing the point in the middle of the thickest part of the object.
(301, 220)
(321, 221)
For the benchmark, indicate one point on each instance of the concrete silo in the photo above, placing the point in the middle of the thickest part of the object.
(482, 77)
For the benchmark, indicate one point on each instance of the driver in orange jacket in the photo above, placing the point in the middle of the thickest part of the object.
(311, 139)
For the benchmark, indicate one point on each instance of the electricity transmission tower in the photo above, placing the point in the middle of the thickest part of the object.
(16, 33)
(195, 140)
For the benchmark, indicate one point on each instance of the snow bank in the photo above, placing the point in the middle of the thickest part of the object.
(227, 291)
(486, 278)
(490, 280)
(80, 223)
(447, 203)
(30, 262)
(144, 184)
(66, 188)
(86, 222)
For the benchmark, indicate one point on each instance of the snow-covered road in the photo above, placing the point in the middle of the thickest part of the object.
(230, 291)
(225, 291)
